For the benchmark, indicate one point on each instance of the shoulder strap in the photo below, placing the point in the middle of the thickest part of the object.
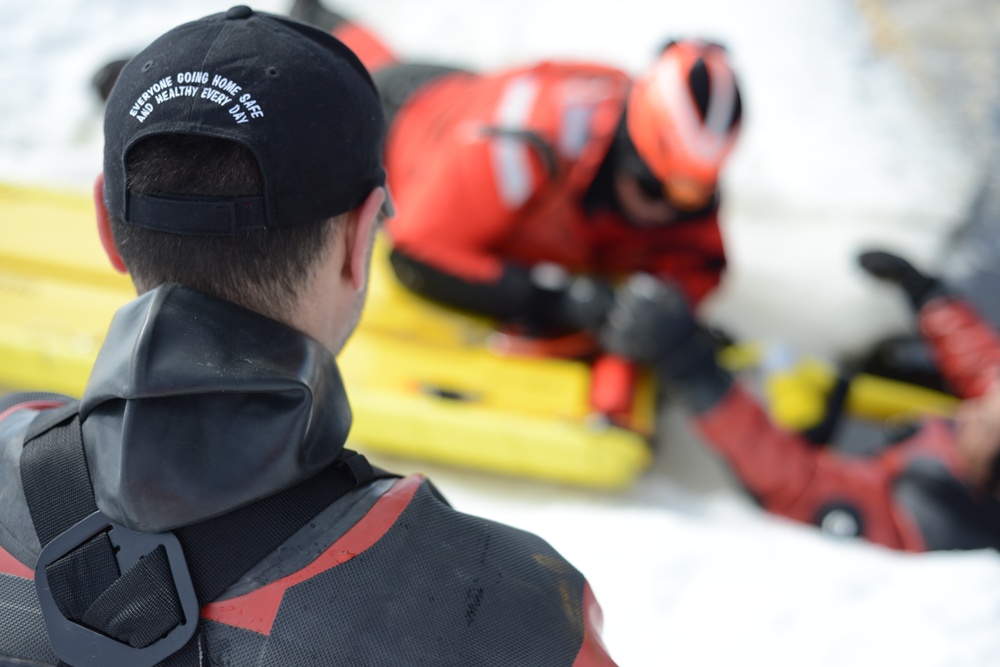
(542, 147)
(111, 595)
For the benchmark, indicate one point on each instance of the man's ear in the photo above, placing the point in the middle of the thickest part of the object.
(358, 235)
(104, 227)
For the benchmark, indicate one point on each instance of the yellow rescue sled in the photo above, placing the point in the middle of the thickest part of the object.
(425, 382)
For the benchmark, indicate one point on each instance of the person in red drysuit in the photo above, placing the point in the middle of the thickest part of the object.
(522, 194)
(934, 486)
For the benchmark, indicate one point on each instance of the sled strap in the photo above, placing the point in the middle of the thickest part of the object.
(114, 596)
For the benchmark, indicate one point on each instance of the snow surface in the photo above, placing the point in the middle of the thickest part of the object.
(838, 153)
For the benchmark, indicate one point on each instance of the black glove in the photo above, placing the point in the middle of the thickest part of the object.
(651, 323)
(586, 302)
(918, 287)
(564, 303)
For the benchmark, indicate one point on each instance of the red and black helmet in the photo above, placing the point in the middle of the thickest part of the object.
(683, 115)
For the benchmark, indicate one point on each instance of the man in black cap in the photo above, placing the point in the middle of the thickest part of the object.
(197, 505)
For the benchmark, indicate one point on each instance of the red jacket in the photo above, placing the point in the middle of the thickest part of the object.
(794, 478)
(488, 169)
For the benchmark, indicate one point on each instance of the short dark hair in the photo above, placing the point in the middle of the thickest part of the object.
(261, 269)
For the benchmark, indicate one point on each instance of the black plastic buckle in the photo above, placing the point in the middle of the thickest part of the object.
(80, 646)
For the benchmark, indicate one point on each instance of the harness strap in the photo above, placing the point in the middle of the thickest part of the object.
(110, 595)
(543, 148)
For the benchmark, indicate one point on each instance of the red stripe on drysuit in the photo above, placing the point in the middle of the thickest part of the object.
(592, 653)
(14, 567)
(30, 405)
(257, 610)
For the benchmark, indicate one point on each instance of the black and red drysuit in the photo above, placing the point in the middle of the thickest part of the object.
(494, 173)
(914, 494)
(197, 407)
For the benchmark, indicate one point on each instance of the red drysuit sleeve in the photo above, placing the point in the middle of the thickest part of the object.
(965, 347)
(796, 479)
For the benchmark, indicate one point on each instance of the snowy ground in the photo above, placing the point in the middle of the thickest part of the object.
(839, 152)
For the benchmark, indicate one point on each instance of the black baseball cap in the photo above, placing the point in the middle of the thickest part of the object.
(295, 96)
